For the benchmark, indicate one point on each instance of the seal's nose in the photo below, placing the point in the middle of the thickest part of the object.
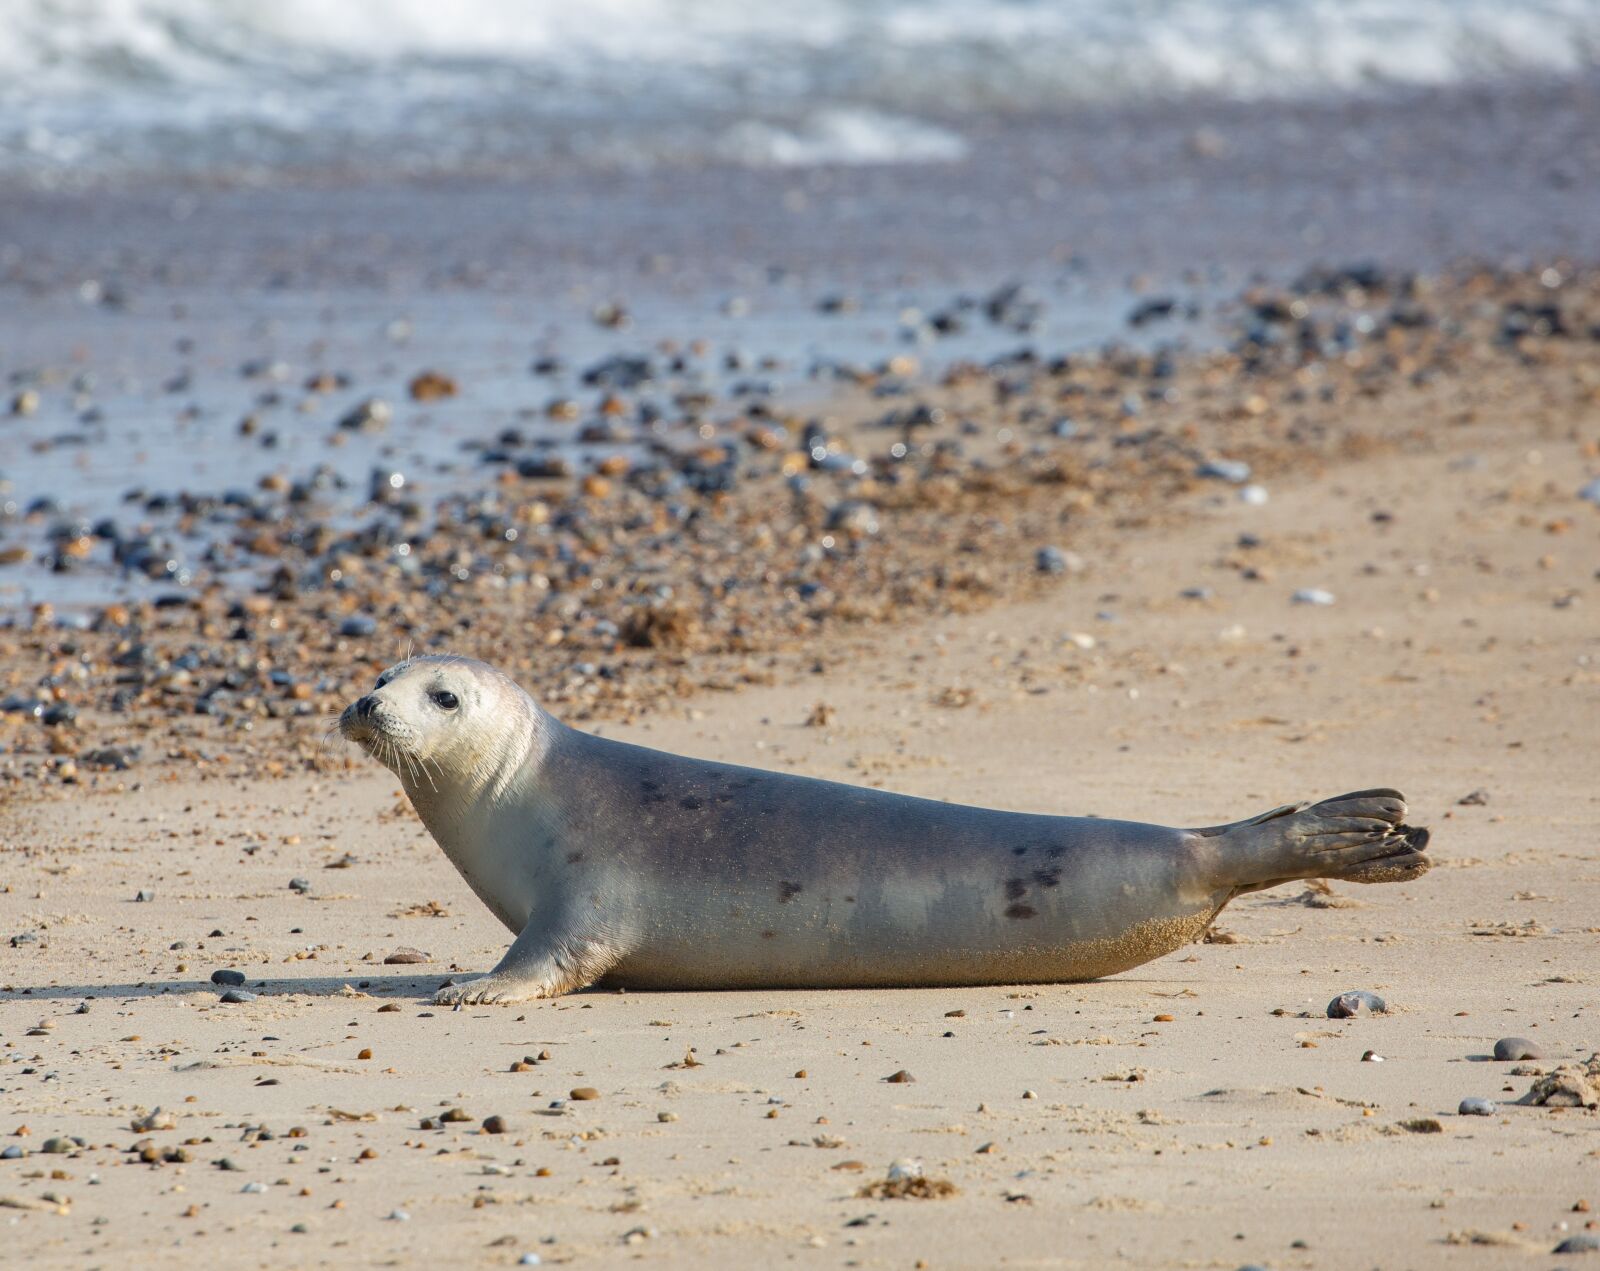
(364, 707)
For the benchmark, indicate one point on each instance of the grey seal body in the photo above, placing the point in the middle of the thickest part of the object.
(634, 867)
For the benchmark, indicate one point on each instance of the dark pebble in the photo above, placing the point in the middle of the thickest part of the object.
(12, 1153)
(1579, 1244)
(227, 977)
(1356, 1002)
(301, 885)
(359, 625)
(494, 1125)
(237, 996)
(118, 758)
(1516, 1048)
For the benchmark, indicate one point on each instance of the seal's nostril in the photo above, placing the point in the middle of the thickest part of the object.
(365, 705)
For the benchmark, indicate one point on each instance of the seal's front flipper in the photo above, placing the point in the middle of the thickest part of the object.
(544, 961)
(1356, 838)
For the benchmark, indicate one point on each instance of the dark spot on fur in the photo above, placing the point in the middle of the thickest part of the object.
(769, 811)
(767, 935)
(788, 891)
(690, 802)
(651, 786)
(1050, 877)
(1016, 888)
(722, 798)
(1020, 911)
(574, 857)
(850, 900)
(1019, 851)
(1056, 852)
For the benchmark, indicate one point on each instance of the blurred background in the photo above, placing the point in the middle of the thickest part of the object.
(95, 88)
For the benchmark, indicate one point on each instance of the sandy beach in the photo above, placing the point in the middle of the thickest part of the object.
(1162, 415)
(1200, 1111)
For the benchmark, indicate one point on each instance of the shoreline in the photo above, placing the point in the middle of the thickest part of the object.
(728, 545)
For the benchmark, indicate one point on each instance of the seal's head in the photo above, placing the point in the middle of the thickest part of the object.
(439, 716)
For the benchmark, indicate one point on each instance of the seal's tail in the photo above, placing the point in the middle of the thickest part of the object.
(1355, 838)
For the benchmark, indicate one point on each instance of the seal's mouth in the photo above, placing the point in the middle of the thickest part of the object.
(389, 740)
(359, 722)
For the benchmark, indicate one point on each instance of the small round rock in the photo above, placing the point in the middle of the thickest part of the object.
(227, 977)
(1356, 1002)
(1516, 1048)
(583, 1093)
(1474, 1107)
(1579, 1244)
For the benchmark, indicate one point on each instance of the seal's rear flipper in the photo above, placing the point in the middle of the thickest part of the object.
(1355, 838)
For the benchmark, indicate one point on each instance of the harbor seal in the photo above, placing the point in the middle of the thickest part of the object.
(617, 864)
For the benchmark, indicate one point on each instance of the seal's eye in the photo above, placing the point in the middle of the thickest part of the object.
(445, 700)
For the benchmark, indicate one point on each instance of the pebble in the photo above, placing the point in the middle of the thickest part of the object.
(1235, 471)
(1589, 492)
(301, 885)
(398, 1215)
(117, 758)
(1253, 495)
(56, 1146)
(1474, 1107)
(495, 1124)
(1312, 596)
(405, 957)
(905, 1167)
(454, 1115)
(1050, 560)
(583, 1093)
(1516, 1048)
(900, 1078)
(227, 977)
(144, 896)
(1579, 1244)
(235, 997)
(253, 1189)
(155, 1120)
(358, 625)
(530, 1260)
(1356, 1002)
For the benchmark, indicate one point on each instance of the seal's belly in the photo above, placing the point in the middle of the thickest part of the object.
(1078, 920)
